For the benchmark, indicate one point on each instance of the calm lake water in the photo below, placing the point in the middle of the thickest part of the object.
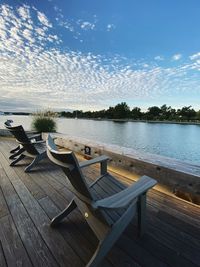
(171, 140)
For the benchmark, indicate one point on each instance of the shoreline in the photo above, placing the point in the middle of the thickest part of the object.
(118, 120)
(131, 120)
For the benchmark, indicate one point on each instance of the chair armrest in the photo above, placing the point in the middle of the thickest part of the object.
(124, 197)
(31, 141)
(87, 163)
(34, 141)
(101, 159)
(37, 137)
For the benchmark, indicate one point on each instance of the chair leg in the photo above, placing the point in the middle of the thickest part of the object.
(112, 236)
(103, 167)
(17, 160)
(35, 161)
(141, 214)
(72, 205)
(17, 153)
(15, 149)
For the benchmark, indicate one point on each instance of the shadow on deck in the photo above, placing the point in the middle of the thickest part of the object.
(29, 201)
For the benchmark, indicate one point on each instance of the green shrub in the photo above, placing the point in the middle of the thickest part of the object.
(44, 121)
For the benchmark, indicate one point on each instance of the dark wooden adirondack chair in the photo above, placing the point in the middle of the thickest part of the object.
(106, 204)
(18, 150)
(27, 147)
(7, 124)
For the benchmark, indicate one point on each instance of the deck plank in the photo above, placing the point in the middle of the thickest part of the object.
(34, 244)
(179, 205)
(70, 232)
(191, 221)
(3, 206)
(13, 248)
(180, 224)
(2, 257)
(139, 253)
(179, 247)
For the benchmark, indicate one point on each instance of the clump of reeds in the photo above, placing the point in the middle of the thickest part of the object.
(44, 121)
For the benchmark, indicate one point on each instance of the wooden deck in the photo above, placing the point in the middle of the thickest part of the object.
(29, 201)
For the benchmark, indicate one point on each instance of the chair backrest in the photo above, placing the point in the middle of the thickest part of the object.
(68, 162)
(8, 123)
(21, 137)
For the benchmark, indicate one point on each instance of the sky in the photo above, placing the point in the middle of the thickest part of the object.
(89, 55)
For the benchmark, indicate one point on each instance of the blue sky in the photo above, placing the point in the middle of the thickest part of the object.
(91, 54)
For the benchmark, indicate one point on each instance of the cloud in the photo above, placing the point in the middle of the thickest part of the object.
(159, 58)
(195, 56)
(85, 25)
(35, 73)
(176, 57)
(18, 32)
(67, 25)
(27, 34)
(75, 26)
(24, 12)
(79, 27)
(43, 19)
(74, 80)
(18, 104)
(110, 27)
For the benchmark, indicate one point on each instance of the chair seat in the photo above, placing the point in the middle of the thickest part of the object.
(40, 147)
(105, 187)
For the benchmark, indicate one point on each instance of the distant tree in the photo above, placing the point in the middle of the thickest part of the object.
(77, 113)
(153, 113)
(136, 113)
(172, 114)
(198, 115)
(100, 114)
(87, 114)
(186, 113)
(63, 114)
(109, 114)
(66, 114)
(165, 112)
(121, 111)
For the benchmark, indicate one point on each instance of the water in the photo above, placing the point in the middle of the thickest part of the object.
(171, 140)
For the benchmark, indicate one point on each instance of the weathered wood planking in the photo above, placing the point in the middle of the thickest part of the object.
(185, 217)
(118, 262)
(79, 242)
(53, 239)
(178, 242)
(2, 257)
(150, 222)
(3, 206)
(13, 248)
(35, 246)
(29, 201)
(74, 237)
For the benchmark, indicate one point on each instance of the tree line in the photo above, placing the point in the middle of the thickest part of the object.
(123, 111)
